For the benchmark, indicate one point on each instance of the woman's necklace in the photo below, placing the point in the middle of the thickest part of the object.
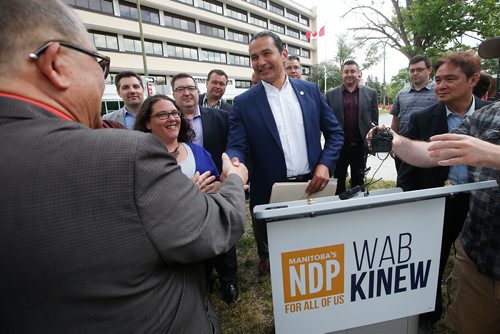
(175, 152)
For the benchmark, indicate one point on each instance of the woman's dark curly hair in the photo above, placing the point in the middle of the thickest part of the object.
(186, 132)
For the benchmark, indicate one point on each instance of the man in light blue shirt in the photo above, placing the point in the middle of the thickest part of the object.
(456, 75)
(130, 88)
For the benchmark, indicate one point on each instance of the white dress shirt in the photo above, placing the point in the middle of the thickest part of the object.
(290, 123)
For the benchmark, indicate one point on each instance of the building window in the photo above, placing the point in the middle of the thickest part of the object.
(305, 53)
(188, 2)
(213, 56)
(292, 15)
(243, 84)
(239, 60)
(236, 13)
(303, 36)
(260, 3)
(293, 33)
(258, 20)
(179, 22)
(211, 5)
(148, 15)
(293, 50)
(304, 20)
(237, 36)
(275, 26)
(306, 70)
(212, 30)
(180, 51)
(104, 6)
(151, 47)
(275, 8)
(104, 40)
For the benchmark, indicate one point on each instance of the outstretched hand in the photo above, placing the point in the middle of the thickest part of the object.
(456, 149)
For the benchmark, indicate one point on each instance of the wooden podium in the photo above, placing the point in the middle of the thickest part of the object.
(362, 265)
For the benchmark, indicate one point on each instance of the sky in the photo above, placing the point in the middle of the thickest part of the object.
(329, 14)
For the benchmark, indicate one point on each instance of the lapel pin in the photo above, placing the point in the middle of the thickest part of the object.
(301, 93)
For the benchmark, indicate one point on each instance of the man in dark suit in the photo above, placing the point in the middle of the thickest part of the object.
(356, 108)
(279, 123)
(100, 230)
(456, 75)
(211, 127)
(216, 87)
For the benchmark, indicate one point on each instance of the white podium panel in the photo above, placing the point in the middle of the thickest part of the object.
(338, 265)
(370, 268)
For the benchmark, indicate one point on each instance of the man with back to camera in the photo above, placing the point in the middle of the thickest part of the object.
(130, 88)
(293, 68)
(216, 83)
(211, 126)
(418, 95)
(86, 249)
(456, 75)
(279, 123)
(356, 108)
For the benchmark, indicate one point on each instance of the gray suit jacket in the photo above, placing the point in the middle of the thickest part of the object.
(368, 107)
(117, 116)
(101, 232)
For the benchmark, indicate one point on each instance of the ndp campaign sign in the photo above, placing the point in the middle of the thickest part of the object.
(356, 268)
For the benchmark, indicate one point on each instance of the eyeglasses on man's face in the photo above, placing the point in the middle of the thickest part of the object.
(190, 89)
(163, 115)
(102, 60)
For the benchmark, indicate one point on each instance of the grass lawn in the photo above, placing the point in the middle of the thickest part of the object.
(253, 313)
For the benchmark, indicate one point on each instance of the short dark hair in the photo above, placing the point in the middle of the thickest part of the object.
(468, 61)
(186, 132)
(294, 58)
(485, 84)
(266, 33)
(127, 74)
(350, 62)
(418, 59)
(218, 72)
(181, 76)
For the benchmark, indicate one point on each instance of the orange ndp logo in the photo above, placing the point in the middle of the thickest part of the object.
(313, 273)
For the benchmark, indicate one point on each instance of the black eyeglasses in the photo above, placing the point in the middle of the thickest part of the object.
(102, 60)
(163, 115)
(190, 89)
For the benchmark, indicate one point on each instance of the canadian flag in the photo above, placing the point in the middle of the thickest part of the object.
(316, 34)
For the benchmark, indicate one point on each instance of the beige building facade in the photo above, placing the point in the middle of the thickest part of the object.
(192, 36)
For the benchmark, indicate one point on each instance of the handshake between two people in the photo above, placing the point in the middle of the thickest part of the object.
(442, 150)
(234, 166)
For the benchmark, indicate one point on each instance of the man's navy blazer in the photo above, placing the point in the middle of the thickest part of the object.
(215, 124)
(253, 130)
(424, 124)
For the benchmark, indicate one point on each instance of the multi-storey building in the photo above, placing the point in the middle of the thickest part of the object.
(192, 36)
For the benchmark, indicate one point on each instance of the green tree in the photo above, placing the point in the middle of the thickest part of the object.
(349, 47)
(425, 26)
(333, 77)
(397, 83)
(375, 84)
